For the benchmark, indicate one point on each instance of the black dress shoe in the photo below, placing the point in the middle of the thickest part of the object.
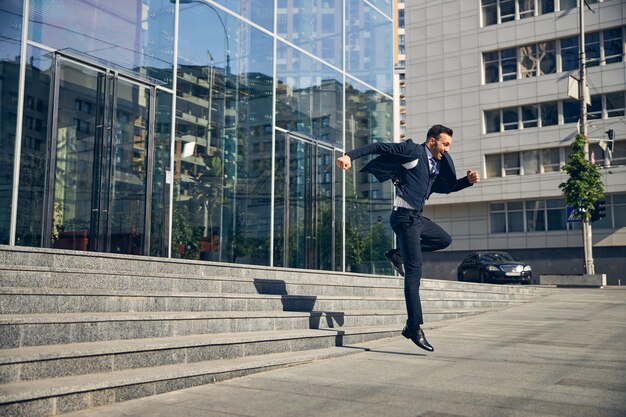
(394, 256)
(417, 336)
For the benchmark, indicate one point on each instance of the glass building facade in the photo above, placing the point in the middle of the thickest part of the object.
(196, 129)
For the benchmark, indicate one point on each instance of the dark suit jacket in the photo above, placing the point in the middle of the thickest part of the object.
(388, 165)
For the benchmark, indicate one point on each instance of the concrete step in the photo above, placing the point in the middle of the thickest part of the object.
(59, 300)
(66, 394)
(19, 330)
(55, 361)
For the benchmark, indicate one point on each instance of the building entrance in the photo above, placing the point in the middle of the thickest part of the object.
(308, 227)
(99, 179)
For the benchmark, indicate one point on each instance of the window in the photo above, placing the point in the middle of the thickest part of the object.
(492, 67)
(535, 216)
(613, 45)
(526, 8)
(515, 216)
(567, 4)
(507, 10)
(492, 121)
(546, 6)
(615, 104)
(498, 218)
(595, 110)
(530, 116)
(400, 18)
(549, 114)
(508, 62)
(530, 162)
(555, 214)
(490, 12)
(493, 165)
(511, 163)
(619, 210)
(571, 111)
(510, 118)
(537, 59)
(569, 54)
(592, 49)
(550, 160)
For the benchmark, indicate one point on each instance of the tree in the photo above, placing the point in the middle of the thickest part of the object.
(584, 185)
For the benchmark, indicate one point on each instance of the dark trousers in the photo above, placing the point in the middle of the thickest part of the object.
(415, 234)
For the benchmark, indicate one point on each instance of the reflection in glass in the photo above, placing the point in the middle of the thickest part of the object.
(160, 207)
(313, 27)
(368, 234)
(308, 96)
(10, 33)
(223, 139)
(369, 56)
(134, 35)
(260, 12)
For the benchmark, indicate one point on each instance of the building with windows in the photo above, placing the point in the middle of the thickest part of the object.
(197, 129)
(496, 71)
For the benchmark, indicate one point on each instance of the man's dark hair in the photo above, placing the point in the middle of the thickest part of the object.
(437, 130)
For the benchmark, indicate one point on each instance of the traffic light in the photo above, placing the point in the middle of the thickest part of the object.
(611, 135)
(599, 211)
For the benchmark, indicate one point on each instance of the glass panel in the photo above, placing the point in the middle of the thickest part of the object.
(309, 96)
(369, 45)
(368, 118)
(34, 162)
(509, 64)
(547, 57)
(511, 163)
(323, 198)
(316, 29)
(549, 114)
(338, 214)
(613, 46)
(492, 121)
(490, 12)
(530, 162)
(11, 34)
(260, 12)
(569, 54)
(82, 150)
(567, 4)
(507, 10)
(615, 104)
(595, 110)
(385, 6)
(571, 111)
(160, 211)
(299, 204)
(526, 8)
(510, 118)
(546, 6)
(135, 35)
(498, 222)
(557, 219)
(492, 67)
(494, 165)
(535, 216)
(223, 139)
(619, 210)
(592, 49)
(128, 167)
(551, 160)
(529, 116)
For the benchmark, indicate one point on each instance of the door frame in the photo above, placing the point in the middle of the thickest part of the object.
(102, 136)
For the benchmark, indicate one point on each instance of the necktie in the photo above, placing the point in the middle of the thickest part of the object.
(433, 165)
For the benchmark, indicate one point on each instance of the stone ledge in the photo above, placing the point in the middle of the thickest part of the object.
(574, 280)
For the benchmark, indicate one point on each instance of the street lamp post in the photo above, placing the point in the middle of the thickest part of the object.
(582, 96)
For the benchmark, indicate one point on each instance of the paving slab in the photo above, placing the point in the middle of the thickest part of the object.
(561, 355)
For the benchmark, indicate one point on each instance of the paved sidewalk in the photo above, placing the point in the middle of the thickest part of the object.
(563, 355)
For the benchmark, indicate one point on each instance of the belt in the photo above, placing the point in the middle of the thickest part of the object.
(408, 210)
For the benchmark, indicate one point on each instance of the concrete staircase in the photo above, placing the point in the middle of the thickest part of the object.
(81, 330)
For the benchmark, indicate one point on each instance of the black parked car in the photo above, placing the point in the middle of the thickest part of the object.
(497, 267)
